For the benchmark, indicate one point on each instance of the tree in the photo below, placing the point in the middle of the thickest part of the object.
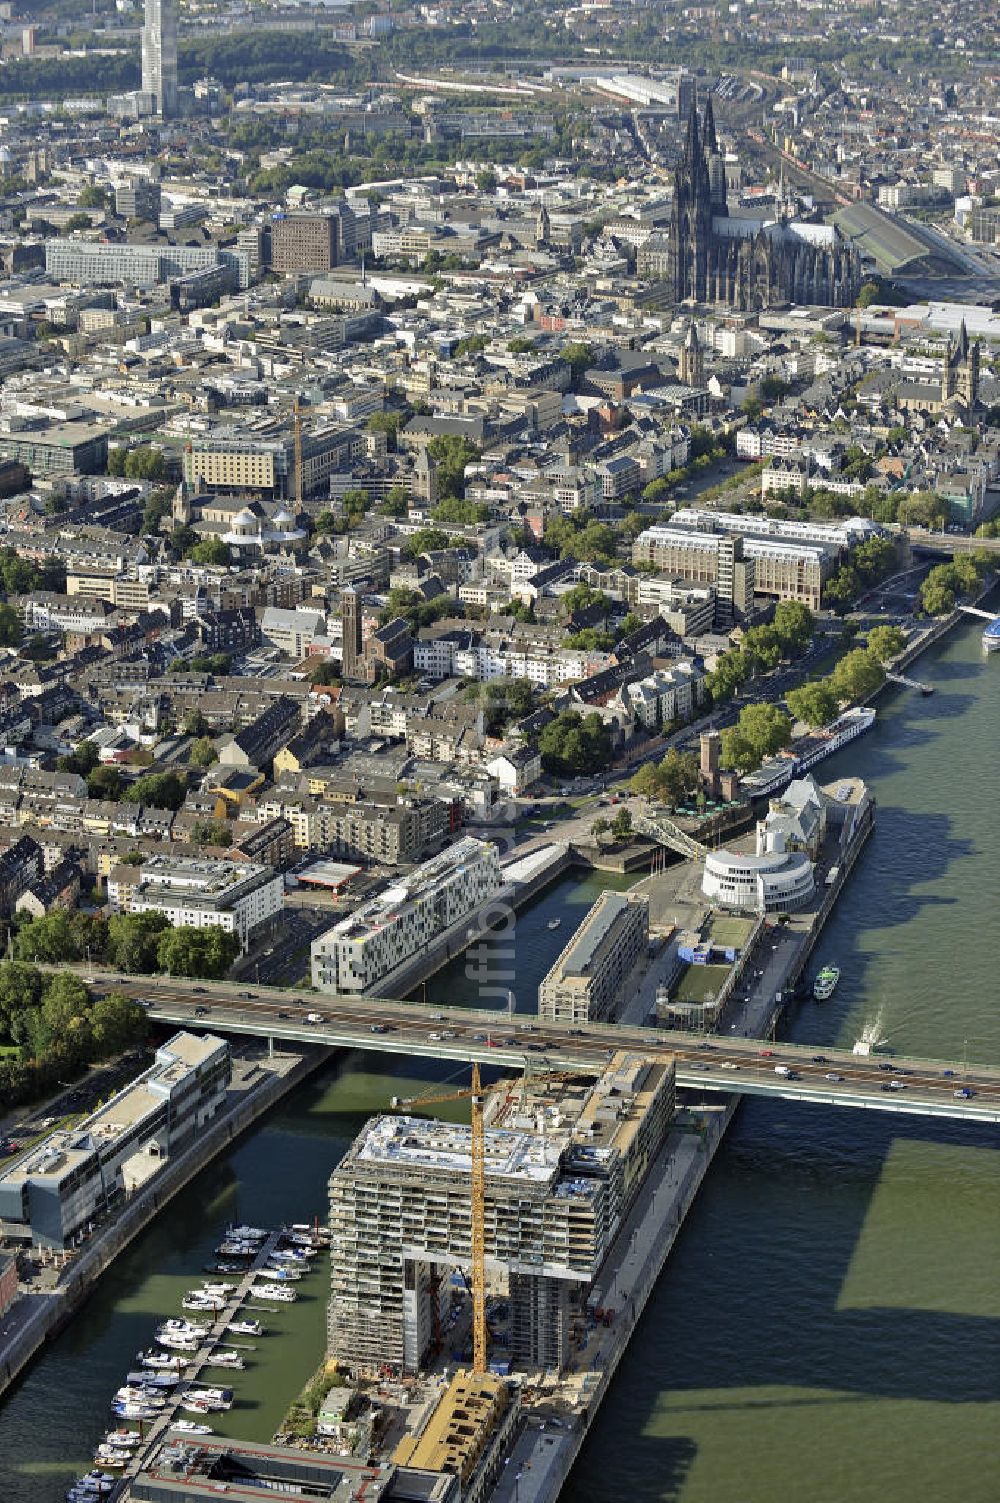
(573, 743)
(211, 832)
(210, 552)
(886, 642)
(116, 1021)
(451, 454)
(133, 940)
(426, 540)
(145, 463)
(621, 825)
(816, 704)
(762, 730)
(503, 701)
(794, 624)
(600, 827)
(646, 782)
(923, 509)
(105, 783)
(92, 197)
(202, 752)
(49, 939)
(204, 953)
(858, 674)
(486, 180)
(20, 990)
(11, 626)
(579, 357)
(580, 598)
(161, 790)
(678, 775)
(116, 460)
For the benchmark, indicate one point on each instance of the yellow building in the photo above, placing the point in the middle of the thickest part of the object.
(466, 1434)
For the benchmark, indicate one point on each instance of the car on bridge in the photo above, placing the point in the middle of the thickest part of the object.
(964, 1094)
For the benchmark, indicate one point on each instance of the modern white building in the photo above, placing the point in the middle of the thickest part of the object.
(237, 896)
(399, 922)
(80, 1174)
(776, 882)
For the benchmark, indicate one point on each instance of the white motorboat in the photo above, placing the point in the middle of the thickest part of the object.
(275, 1292)
(135, 1411)
(222, 1290)
(161, 1361)
(195, 1301)
(281, 1272)
(122, 1438)
(191, 1427)
(178, 1343)
(248, 1233)
(225, 1359)
(245, 1328)
(185, 1327)
(153, 1380)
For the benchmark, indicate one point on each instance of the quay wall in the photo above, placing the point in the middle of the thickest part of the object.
(56, 1309)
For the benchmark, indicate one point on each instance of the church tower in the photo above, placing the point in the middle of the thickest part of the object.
(691, 366)
(543, 227)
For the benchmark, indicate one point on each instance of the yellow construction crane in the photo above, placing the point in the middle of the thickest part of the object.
(476, 1094)
(297, 430)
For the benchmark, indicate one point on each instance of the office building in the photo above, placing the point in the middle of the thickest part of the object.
(244, 459)
(233, 895)
(138, 198)
(159, 56)
(77, 1175)
(359, 951)
(313, 242)
(57, 448)
(587, 979)
(92, 263)
(704, 557)
(563, 1164)
(468, 1433)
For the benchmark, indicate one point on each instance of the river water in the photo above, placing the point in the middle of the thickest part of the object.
(828, 1328)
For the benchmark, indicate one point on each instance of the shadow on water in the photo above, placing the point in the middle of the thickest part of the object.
(788, 1346)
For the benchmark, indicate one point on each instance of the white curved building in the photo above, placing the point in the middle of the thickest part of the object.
(773, 882)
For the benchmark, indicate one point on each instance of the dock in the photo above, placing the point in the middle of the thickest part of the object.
(909, 683)
(192, 1373)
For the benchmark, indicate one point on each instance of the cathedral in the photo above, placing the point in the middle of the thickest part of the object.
(747, 263)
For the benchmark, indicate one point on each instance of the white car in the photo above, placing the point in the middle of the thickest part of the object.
(314, 1017)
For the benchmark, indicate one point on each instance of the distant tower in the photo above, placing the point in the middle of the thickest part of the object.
(960, 375)
(691, 367)
(159, 55)
(711, 755)
(543, 227)
(350, 617)
(425, 480)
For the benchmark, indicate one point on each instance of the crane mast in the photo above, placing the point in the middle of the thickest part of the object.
(478, 1227)
(297, 430)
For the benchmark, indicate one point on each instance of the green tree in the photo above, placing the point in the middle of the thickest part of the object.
(202, 752)
(145, 463)
(133, 939)
(923, 509)
(573, 743)
(160, 790)
(210, 552)
(794, 624)
(816, 704)
(203, 953)
(621, 825)
(92, 197)
(580, 598)
(451, 454)
(116, 460)
(762, 730)
(117, 1022)
(886, 642)
(646, 782)
(50, 939)
(105, 783)
(20, 991)
(504, 701)
(857, 674)
(211, 832)
(11, 626)
(579, 356)
(426, 540)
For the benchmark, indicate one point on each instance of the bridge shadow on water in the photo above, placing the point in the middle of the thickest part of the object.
(746, 1325)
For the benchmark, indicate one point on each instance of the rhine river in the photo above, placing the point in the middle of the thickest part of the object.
(828, 1327)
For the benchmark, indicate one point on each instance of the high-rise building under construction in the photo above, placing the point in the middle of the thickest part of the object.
(564, 1161)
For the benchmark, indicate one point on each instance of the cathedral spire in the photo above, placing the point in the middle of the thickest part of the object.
(963, 342)
(708, 129)
(692, 147)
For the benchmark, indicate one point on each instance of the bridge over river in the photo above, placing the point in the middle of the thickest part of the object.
(737, 1066)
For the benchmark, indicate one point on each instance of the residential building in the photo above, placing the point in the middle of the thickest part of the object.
(586, 982)
(396, 924)
(237, 896)
(560, 1177)
(78, 1175)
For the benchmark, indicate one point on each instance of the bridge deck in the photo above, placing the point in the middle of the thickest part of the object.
(735, 1066)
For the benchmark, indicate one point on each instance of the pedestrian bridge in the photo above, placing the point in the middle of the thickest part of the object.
(821, 1075)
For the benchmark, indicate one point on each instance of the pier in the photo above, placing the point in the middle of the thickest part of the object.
(909, 683)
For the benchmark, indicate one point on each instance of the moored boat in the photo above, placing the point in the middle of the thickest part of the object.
(826, 983)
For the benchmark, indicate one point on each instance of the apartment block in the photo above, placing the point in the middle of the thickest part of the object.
(563, 1164)
(587, 979)
(82, 1173)
(399, 922)
(237, 896)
